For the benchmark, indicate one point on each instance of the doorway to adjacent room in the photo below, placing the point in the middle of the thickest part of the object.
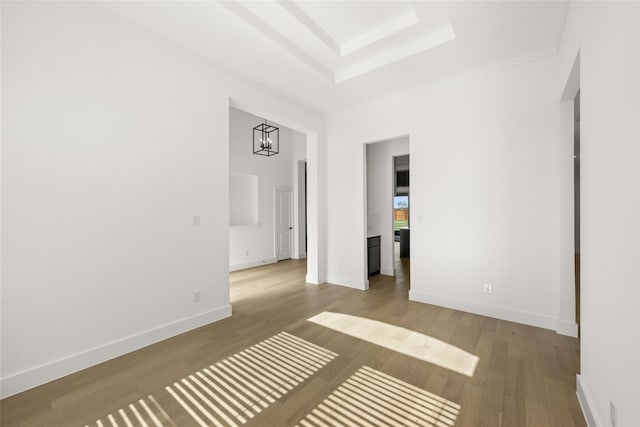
(387, 214)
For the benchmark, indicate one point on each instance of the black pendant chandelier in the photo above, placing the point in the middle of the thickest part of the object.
(266, 139)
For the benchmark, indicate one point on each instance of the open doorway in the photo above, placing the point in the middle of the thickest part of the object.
(576, 202)
(569, 188)
(386, 209)
(268, 197)
(401, 208)
(300, 214)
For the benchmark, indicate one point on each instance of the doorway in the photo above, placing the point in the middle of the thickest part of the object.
(569, 190)
(401, 230)
(283, 216)
(386, 209)
(300, 211)
(245, 249)
(576, 203)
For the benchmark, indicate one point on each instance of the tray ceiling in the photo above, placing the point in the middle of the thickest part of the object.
(331, 54)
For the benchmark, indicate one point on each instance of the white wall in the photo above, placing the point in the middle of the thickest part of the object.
(482, 200)
(252, 245)
(380, 196)
(607, 35)
(113, 139)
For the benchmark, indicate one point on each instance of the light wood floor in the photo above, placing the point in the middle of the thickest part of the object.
(268, 365)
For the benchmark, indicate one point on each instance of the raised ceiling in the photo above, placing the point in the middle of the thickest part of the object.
(332, 54)
(343, 40)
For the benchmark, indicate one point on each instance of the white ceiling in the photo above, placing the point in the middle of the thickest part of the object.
(331, 54)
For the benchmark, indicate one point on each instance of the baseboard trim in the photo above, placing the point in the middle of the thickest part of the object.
(349, 282)
(313, 279)
(586, 404)
(503, 313)
(27, 379)
(251, 264)
(569, 329)
(387, 271)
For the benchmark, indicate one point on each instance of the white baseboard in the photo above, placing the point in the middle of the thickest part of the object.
(251, 264)
(42, 374)
(349, 282)
(586, 404)
(497, 312)
(569, 329)
(387, 271)
(313, 279)
(300, 255)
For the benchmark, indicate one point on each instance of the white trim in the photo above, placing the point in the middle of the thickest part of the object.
(586, 403)
(387, 271)
(251, 264)
(493, 68)
(313, 279)
(276, 248)
(299, 211)
(349, 282)
(365, 216)
(498, 312)
(569, 329)
(42, 374)
(476, 73)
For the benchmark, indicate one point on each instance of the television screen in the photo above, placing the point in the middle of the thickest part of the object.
(402, 178)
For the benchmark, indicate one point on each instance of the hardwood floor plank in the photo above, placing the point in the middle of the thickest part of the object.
(513, 405)
(524, 376)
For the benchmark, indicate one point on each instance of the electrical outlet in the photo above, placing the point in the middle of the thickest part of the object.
(246, 252)
(196, 220)
(196, 296)
(488, 288)
(612, 413)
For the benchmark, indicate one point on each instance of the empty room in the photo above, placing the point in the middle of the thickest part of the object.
(320, 213)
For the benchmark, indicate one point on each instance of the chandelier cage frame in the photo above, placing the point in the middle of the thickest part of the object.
(266, 139)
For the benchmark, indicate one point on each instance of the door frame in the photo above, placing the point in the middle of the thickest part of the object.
(276, 189)
(565, 221)
(365, 220)
(316, 182)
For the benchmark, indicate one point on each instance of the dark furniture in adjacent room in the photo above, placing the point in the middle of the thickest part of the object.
(373, 254)
(404, 242)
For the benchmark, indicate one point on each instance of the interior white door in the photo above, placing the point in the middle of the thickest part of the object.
(284, 222)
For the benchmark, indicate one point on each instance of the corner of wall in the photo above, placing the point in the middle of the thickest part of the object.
(387, 271)
(569, 329)
(584, 398)
(348, 282)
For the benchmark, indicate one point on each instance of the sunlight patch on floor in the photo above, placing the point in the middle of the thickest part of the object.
(231, 392)
(402, 340)
(236, 389)
(372, 398)
(144, 413)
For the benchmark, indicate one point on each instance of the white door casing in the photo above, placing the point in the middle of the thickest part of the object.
(283, 202)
